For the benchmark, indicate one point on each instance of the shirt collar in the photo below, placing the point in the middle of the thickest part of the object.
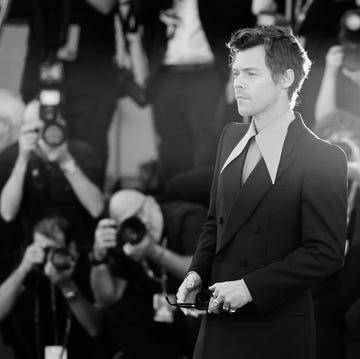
(270, 142)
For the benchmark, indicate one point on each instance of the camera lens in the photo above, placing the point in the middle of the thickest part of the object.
(54, 134)
(132, 231)
(60, 258)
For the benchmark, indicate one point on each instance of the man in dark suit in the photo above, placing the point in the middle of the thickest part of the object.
(277, 213)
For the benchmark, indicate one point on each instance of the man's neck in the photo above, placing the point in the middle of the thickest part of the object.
(266, 118)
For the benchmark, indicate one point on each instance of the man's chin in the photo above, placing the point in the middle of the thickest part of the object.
(244, 111)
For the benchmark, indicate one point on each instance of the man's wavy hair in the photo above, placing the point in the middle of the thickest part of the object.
(282, 51)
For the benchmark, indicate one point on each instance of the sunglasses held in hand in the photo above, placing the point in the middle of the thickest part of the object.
(202, 300)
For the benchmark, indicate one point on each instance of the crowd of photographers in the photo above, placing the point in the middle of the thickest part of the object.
(89, 276)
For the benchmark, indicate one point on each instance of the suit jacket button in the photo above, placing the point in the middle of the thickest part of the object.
(221, 220)
(243, 263)
(219, 258)
(256, 229)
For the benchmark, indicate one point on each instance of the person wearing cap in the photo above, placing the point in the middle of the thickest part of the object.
(340, 84)
(130, 282)
(277, 214)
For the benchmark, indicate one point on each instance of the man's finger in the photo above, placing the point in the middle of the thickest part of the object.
(181, 294)
(213, 287)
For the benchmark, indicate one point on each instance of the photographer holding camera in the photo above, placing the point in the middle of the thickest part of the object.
(40, 298)
(139, 256)
(41, 176)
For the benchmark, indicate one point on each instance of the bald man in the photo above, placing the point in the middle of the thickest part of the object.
(129, 278)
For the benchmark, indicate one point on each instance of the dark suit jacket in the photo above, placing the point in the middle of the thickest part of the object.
(281, 239)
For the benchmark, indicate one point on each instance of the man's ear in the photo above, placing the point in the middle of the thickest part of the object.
(286, 79)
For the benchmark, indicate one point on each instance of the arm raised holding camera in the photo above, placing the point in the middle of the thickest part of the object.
(85, 190)
(12, 192)
(89, 315)
(326, 100)
(107, 288)
(13, 286)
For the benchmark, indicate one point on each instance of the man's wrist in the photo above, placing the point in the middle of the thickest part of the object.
(70, 292)
(331, 71)
(97, 258)
(69, 166)
(20, 164)
(156, 253)
(245, 289)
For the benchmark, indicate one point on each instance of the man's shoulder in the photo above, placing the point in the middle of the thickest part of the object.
(234, 130)
(315, 144)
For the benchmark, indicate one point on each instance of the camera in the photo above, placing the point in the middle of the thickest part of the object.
(349, 37)
(60, 258)
(51, 72)
(132, 230)
(57, 229)
(54, 132)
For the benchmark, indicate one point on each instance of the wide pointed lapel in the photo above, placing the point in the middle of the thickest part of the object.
(248, 198)
(258, 184)
(296, 129)
(231, 179)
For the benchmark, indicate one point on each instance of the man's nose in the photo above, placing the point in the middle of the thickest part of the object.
(239, 83)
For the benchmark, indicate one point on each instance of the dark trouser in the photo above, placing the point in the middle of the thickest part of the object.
(89, 116)
(352, 335)
(184, 103)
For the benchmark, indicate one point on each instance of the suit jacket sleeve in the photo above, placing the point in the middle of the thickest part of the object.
(205, 251)
(323, 223)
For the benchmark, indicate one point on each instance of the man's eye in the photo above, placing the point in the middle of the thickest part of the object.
(252, 73)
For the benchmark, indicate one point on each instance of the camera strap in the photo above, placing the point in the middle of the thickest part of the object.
(162, 278)
(68, 321)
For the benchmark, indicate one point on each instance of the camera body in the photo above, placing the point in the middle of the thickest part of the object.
(51, 76)
(54, 132)
(60, 258)
(132, 230)
(59, 254)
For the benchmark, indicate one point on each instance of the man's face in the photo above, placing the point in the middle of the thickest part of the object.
(255, 90)
(150, 213)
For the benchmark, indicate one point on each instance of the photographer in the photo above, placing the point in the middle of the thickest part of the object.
(11, 118)
(38, 179)
(40, 298)
(340, 85)
(136, 266)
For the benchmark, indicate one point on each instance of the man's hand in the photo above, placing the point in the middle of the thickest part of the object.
(60, 278)
(187, 292)
(334, 59)
(34, 254)
(141, 250)
(28, 140)
(59, 154)
(105, 238)
(228, 296)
